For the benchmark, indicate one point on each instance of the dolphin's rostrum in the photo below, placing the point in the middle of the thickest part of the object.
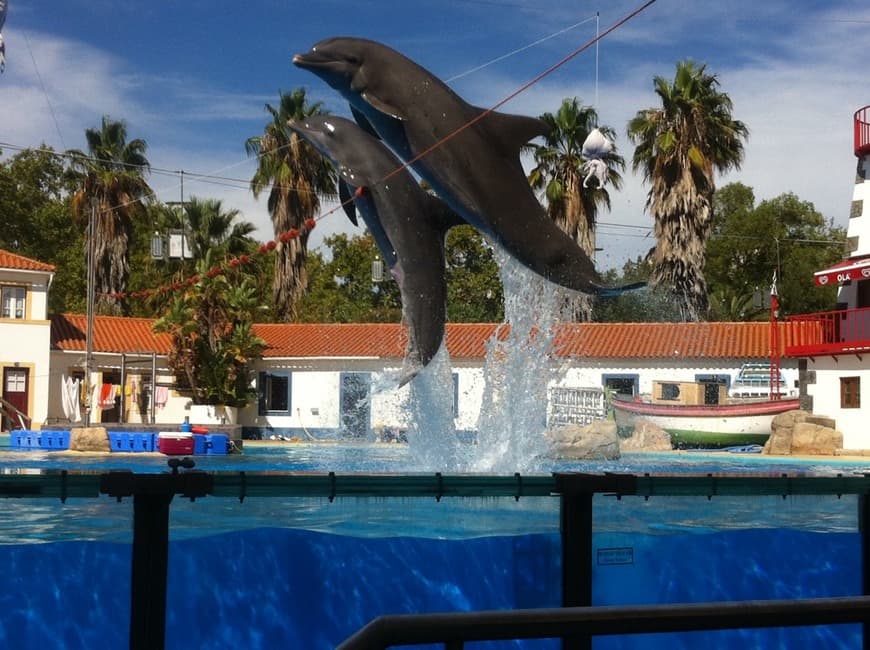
(470, 157)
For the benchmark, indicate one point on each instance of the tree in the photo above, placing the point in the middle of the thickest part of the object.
(296, 176)
(678, 148)
(573, 207)
(211, 227)
(749, 243)
(213, 343)
(35, 222)
(342, 290)
(111, 182)
(474, 290)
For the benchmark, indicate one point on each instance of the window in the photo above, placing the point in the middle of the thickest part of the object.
(850, 392)
(670, 391)
(274, 393)
(12, 300)
(621, 384)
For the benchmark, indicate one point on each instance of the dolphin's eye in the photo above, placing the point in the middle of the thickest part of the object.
(329, 127)
(353, 60)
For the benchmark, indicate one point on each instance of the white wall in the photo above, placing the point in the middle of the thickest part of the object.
(826, 397)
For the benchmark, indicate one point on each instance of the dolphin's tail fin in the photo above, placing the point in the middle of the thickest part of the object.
(612, 292)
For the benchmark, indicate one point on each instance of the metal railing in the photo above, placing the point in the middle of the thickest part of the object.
(831, 332)
(455, 629)
(862, 131)
(576, 622)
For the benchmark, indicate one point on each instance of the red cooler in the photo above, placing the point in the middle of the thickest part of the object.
(173, 443)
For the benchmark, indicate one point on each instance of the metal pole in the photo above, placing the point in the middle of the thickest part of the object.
(576, 530)
(91, 299)
(123, 386)
(150, 562)
(153, 385)
(864, 529)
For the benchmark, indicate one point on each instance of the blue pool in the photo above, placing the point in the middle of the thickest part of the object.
(306, 572)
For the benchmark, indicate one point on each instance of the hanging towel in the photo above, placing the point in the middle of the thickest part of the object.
(65, 397)
(95, 398)
(75, 392)
(161, 396)
(107, 396)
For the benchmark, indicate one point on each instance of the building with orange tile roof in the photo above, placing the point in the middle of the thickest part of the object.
(315, 378)
(24, 339)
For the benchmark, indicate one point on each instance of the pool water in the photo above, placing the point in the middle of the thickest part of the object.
(307, 572)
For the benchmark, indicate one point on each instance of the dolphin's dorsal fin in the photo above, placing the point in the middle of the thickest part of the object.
(346, 197)
(363, 122)
(513, 131)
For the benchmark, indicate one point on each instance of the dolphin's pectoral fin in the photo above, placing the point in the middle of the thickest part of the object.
(382, 105)
(373, 220)
(514, 131)
(345, 195)
(363, 122)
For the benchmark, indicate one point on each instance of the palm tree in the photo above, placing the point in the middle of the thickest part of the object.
(111, 183)
(678, 147)
(558, 175)
(297, 176)
(212, 227)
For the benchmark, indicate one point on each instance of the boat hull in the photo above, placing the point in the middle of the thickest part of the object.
(719, 425)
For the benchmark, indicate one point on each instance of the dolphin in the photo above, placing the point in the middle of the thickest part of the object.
(408, 224)
(477, 171)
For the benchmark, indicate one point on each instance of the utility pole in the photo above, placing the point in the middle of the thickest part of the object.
(91, 300)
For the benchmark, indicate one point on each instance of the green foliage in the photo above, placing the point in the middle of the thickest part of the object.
(35, 222)
(644, 305)
(213, 343)
(474, 291)
(341, 288)
(750, 242)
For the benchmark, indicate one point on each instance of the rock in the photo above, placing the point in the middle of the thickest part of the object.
(815, 440)
(89, 439)
(647, 436)
(595, 441)
(801, 433)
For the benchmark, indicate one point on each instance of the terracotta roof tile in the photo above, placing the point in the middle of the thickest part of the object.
(464, 340)
(111, 334)
(19, 262)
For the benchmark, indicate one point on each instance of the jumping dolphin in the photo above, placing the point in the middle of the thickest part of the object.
(407, 223)
(477, 171)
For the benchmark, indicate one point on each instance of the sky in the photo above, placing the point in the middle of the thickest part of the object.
(192, 79)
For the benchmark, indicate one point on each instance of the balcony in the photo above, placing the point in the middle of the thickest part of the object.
(828, 333)
(862, 131)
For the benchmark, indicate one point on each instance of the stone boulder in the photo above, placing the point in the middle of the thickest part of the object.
(595, 441)
(89, 439)
(647, 436)
(802, 433)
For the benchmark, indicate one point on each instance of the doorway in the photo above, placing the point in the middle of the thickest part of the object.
(16, 393)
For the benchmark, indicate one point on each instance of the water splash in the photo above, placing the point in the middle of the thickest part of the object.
(518, 369)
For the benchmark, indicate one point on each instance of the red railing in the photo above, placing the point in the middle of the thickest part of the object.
(830, 332)
(862, 131)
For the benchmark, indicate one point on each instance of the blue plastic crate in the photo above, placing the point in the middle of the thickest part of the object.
(140, 442)
(200, 443)
(31, 439)
(120, 441)
(54, 440)
(16, 439)
(217, 443)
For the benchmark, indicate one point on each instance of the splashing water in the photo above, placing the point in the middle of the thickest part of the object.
(518, 370)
